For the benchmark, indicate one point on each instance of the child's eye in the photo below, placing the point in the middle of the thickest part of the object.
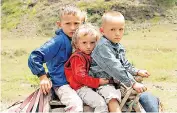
(84, 42)
(67, 23)
(92, 42)
(76, 23)
(113, 29)
(121, 29)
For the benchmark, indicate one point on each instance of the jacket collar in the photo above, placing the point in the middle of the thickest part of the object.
(60, 31)
(113, 44)
(88, 56)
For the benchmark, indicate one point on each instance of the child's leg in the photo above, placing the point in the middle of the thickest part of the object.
(93, 99)
(149, 102)
(69, 97)
(112, 97)
(114, 105)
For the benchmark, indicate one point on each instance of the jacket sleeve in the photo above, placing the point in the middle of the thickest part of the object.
(127, 65)
(81, 75)
(105, 58)
(43, 54)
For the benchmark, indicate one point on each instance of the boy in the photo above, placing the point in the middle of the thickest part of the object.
(55, 53)
(109, 56)
(77, 67)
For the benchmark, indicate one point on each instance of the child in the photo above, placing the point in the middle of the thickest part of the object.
(55, 53)
(109, 55)
(77, 67)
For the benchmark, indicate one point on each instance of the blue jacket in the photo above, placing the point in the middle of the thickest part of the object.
(54, 53)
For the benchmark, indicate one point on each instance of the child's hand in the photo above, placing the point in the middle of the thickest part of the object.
(143, 73)
(45, 84)
(103, 81)
(139, 87)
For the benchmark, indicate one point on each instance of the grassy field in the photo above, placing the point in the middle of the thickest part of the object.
(154, 49)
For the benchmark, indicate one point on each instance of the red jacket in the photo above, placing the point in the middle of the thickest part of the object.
(76, 71)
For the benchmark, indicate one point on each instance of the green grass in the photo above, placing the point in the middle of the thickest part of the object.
(12, 11)
(166, 3)
(95, 9)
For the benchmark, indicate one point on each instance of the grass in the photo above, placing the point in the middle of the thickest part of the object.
(153, 49)
(12, 11)
(156, 51)
(16, 79)
(166, 3)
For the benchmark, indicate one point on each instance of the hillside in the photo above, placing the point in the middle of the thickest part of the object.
(31, 18)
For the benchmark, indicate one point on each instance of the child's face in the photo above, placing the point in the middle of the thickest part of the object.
(86, 44)
(113, 29)
(69, 24)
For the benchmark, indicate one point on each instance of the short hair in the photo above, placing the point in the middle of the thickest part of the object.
(111, 14)
(70, 10)
(84, 30)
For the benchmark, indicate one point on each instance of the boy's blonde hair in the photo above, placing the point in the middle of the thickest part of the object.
(84, 30)
(110, 15)
(71, 10)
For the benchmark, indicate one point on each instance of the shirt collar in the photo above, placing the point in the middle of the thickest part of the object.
(113, 44)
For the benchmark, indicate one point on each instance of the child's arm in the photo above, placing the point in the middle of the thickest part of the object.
(127, 65)
(106, 59)
(45, 84)
(139, 87)
(103, 81)
(41, 55)
(38, 57)
(131, 69)
(80, 72)
(143, 73)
